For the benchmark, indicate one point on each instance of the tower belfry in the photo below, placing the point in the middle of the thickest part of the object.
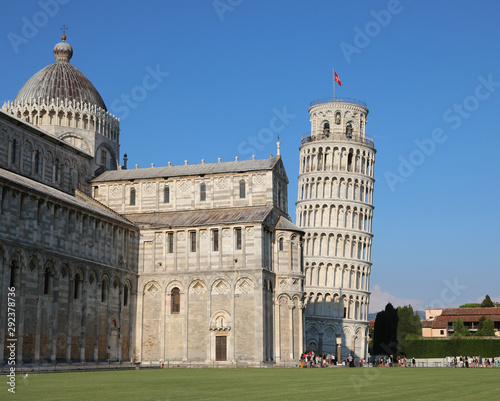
(335, 209)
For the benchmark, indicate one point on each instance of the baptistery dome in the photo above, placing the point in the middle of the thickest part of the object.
(60, 80)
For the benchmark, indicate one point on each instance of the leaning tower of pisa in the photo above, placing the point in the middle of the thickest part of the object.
(335, 209)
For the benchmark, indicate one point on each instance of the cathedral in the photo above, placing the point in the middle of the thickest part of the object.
(196, 263)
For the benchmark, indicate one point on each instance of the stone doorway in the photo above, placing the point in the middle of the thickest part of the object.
(221, 348)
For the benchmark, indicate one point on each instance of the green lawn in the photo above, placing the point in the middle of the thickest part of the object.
(261, 384)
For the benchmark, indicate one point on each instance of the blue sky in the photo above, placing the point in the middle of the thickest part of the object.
(196, 79)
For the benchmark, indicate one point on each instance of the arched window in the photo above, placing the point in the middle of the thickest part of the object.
(280, 244)
(78, 287)
(166, 195)
(203, 192)
(14, 273)
(348, 130)
(13, 150)
(242, 189)
(37, 162)
(337, 118)
(326, 128)
(47, 281)
(104, 157)
(349, 161)
(57, 171)
(132, 196)
(125, 295)
(104, 290)
(175, 301)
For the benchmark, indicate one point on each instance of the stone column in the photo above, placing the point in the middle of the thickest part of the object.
(277, 336)
(186, 324)
(97, 299)
(83, 315)
(21, 289)
(290, 308)
(120, 319)
(53, 325)
(72, 284)
(137, 334)
(4, 282)
(38, 322)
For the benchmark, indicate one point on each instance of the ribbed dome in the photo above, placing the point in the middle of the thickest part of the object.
(60, 80)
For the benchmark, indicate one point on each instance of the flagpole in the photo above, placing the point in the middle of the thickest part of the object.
(333, 71)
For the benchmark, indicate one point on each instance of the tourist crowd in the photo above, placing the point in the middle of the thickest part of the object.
(312, 360)
(474, 362)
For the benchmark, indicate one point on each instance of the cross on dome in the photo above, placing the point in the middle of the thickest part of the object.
(64, 29)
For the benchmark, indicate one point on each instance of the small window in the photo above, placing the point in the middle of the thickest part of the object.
(441, 332)
(348, 131)
(57, 171)
(104, 290)
(345, 313)
(203, 192)
(37, 162)
(166, 195)
(175, 301)
(215, 238)
(103, 157)
(78, 287)
(14, 272)
(280, 244)
(238, 238)
(193, 241)
(326, 128)
(13, 151)
(96, 192)
(47, 282)
(242, 189)
(170, 242)
(132, 196)
(125, 295)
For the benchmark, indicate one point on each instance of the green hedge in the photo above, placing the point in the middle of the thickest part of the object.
(440, 348)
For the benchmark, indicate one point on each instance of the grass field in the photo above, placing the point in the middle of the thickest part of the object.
(261, 384)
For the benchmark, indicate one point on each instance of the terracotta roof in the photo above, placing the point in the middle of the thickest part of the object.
(187, 170)
(471, 311)
(467, 315)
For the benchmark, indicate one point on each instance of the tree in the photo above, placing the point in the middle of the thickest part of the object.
(385, 339)
(460, 329)
(470, 305)
(408, 323)
(487, 302)
(486, 327)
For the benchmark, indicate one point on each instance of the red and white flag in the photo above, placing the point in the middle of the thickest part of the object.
(337, 79)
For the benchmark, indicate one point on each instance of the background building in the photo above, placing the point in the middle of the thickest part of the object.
(335, 209)
(440, 322)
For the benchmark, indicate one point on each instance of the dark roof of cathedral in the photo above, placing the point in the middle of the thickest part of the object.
(195, 218)
(285, 224)
(60, 80)
(188, 169)
(45, 190)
